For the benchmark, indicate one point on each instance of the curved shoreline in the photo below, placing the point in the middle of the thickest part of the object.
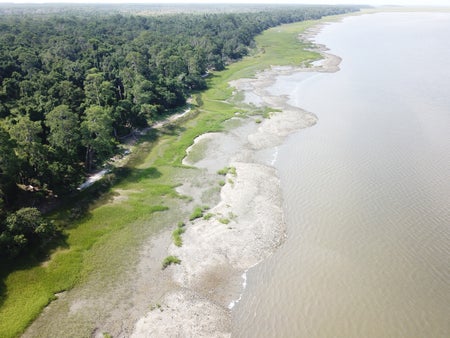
(245, 227)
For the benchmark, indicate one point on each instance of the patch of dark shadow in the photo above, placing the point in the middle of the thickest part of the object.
(36, 256)
(133, 175)
(150, 135)
(172, 129)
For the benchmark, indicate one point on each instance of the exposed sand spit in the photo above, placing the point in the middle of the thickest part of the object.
(246, 225)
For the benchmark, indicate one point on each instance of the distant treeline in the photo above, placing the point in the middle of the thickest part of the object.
(71, 85)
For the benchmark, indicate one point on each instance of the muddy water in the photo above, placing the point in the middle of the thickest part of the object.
(366, 191)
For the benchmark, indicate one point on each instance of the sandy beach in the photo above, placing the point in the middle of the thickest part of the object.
(242, 229)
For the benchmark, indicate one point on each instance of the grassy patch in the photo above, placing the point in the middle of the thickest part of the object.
(197, 153)
(169, 260)
(176, 235)
(223, 171)
(224, 220)
(208, 216)
(227, 170)
(197, 213)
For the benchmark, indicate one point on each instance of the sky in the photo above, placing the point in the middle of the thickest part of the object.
(368, 2)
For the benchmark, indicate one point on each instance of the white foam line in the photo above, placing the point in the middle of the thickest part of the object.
(244, 286)
(275, 157)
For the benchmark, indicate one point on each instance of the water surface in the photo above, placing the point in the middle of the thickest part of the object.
(366, 190)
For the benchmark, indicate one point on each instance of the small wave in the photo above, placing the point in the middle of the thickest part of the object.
(244, 285)
(274, 157)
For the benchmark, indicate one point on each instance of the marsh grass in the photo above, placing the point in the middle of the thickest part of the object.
(98, 233)
(198, 212)
(208, 216)
(176, 234)
(169, 260)
(227, 170)
(223, 171)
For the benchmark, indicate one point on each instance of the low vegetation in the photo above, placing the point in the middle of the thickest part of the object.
(223, 171)
(169, 260)
(227, 170)
(208, 216)
(198, 212)
(176, 234)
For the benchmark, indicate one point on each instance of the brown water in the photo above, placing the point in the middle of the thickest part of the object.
(366, 190)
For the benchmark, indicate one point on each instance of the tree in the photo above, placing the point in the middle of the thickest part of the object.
(24, 229)
(63, 170)
(64, 128)
(97, 90)
(8, 168)
(28, 147)
(67, 93)
(96, 130)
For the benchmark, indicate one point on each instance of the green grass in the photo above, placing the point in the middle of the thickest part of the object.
(227, 170)
(98, 240)
(170, 260)
(223, 171)
(208, 216)
(176, 235)
(197, 213)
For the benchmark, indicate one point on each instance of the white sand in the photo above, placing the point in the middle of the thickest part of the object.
(246, 225)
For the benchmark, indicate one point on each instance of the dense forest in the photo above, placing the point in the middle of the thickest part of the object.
(73, 84)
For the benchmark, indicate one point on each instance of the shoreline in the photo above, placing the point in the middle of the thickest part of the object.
(196, 297)
(245, 227)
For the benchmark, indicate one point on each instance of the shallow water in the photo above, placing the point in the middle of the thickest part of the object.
(366, 190)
